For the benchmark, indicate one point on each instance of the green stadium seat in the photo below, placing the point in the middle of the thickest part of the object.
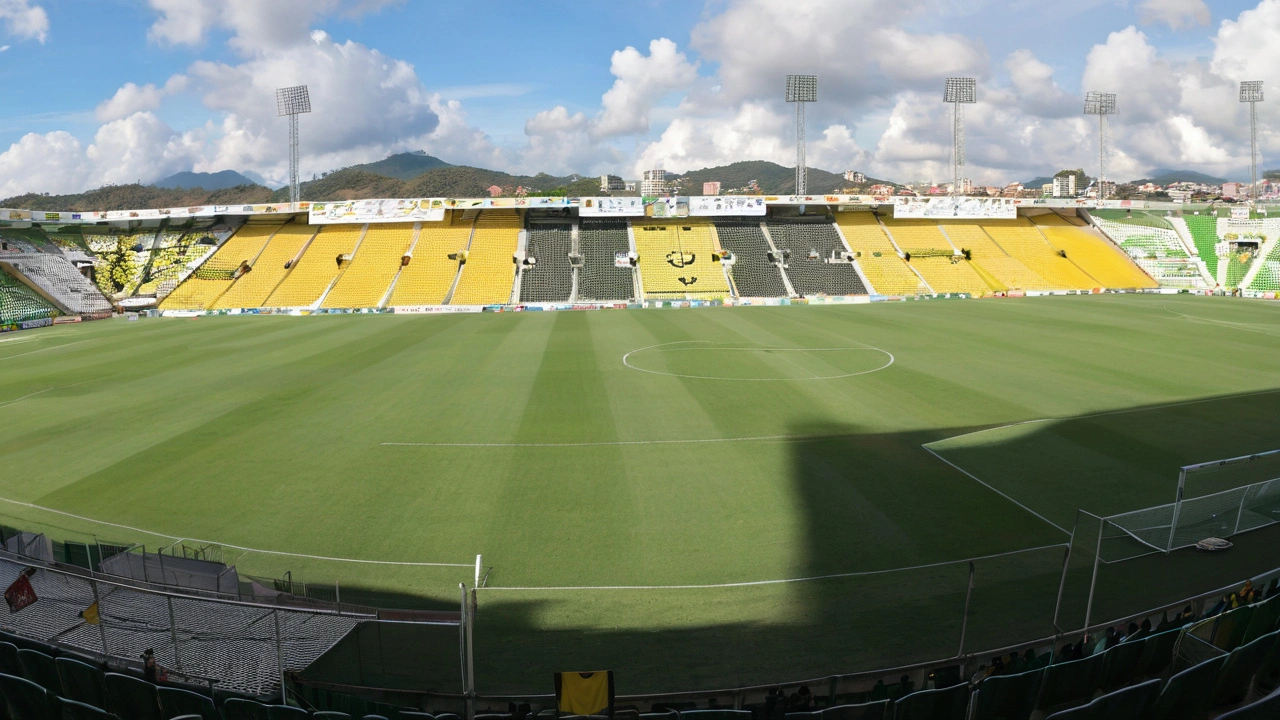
(1267, 708)
(375, 717)
(1008, 697)
(1122, 665)
(1189, 694)
(72, 710)
(240, 709)
(286, 712)
(878, 710)
(82, 682)
(1157, 652)
(332, 715)
(1237, 674)
(176, 701)
(25, 700)
(1130, 702)
(132, 698)
(447, 716)
(40, 669)
(9, 664)
(1070, 683)
(1266, 615)
(410, 715)
(946, 704)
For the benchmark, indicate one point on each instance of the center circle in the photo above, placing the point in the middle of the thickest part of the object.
(706, 360)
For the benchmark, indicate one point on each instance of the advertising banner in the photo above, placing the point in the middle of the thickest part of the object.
(548, 202)
(955, 208)
(377, 211)
(611, 207)
(716, 205)
(666, 207)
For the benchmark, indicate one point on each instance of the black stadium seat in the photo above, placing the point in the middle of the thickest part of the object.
(82, 682)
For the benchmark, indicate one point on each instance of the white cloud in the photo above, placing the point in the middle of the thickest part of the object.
(1177, 14)
(641, 81)
(53, 163)
(256, 26)
(4, 48)
(129, 99)
(24, 20)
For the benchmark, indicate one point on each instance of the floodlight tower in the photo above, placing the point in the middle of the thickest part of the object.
(1103, 105)
(292, 102)
(801, 89)
(1251, 92)
(959, 91)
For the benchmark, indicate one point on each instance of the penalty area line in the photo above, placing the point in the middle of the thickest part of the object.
(281, 553)
(978, 480)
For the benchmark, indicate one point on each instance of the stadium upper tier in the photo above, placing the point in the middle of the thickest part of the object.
(469, 259)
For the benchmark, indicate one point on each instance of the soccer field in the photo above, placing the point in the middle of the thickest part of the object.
(641, 483)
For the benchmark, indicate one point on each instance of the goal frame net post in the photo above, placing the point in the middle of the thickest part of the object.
(1229, 511)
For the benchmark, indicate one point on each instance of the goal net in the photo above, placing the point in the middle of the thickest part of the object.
(1220, 498)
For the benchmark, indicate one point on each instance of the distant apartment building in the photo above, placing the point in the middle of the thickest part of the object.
(612, 183)
(1064, 186)
(1234, 190)
(654, 183)
(711, 188)
(854, 177)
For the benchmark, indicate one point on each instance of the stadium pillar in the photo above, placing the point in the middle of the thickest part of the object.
(102, 616)
(284, 693)
(173, 633)
(964, 621)
(1093, 582)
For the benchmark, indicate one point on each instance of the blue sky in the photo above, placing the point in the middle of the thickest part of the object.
(121, 90)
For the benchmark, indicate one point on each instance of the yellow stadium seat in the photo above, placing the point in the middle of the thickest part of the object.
(376, 262)
(935, 258)
(676, 259)
(253, 288)
(430, 274)
(214, 277)
(316, 269)
(988, 257)
(490, 270)
(1024, 241)
(1098, 256)
(879, 260)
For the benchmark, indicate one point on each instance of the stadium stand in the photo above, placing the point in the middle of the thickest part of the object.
(1238, 264)
(313, 273)
(600, 279)
(1024, 241)
(1267, 278)
(207, 283)
(550, 278)
(935, 258)
(806, 248)
(489, 272)
(1157, 250)
(879, 260)
(677, 259)
(754, 274)
(253, 288)
(1204, 233)
(430, 274)
(19, 303)
(60, 280)
(1093, 254)
(986, 255)
(365, 283)
(16, 241)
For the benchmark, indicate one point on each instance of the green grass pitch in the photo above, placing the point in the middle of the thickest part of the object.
(610, 465)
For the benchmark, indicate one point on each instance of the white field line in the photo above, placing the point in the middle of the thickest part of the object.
(229, 545)
(55, 347)
(611, 443)
(1224, 323)
(627, 363)
(782, 581)
(24, 397)
(976, 479)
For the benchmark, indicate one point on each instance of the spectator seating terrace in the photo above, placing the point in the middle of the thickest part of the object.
(216, 275)
(318, 267)
(1024, 241)
(807, 247)
(879, 260)
(1095, 255)
(550, 278)
(678, 259)
(253, 288)
(431, 272)
(489, 273)
(600, 279)
(754, 275)
(376, 262)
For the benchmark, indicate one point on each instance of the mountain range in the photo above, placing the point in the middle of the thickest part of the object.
(1160, 176)
(204, 181)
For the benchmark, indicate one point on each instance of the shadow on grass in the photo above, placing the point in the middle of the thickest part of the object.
(877, 503)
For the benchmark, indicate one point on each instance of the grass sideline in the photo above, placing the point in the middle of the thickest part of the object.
(526, 438)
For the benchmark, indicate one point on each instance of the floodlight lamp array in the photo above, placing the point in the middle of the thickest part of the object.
(294, 100)
(802, 88)
(1251, 91)
(1100, 103)
(961, 90)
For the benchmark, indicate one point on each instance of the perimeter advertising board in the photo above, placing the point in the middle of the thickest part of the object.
(955, 208)
(718, 205)
(378, 211)
(611, 207)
